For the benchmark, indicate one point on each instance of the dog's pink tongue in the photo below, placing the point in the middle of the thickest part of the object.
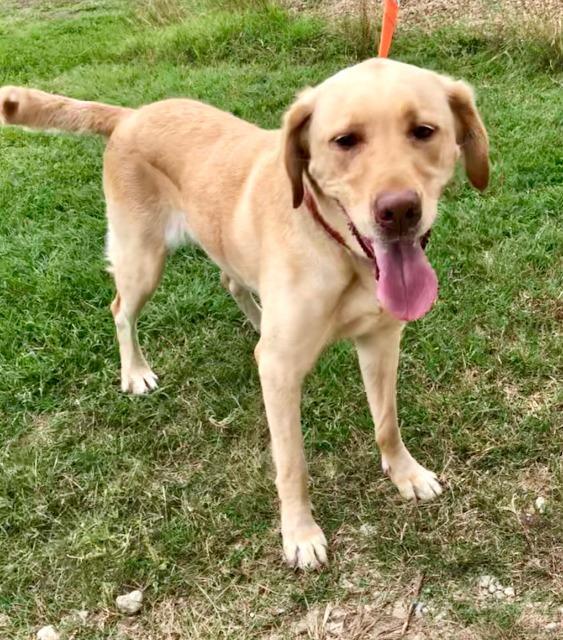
(407, 285)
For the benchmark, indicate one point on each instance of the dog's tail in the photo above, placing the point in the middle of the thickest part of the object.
(40, 110)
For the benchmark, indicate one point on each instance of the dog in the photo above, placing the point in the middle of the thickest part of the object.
(323, 221)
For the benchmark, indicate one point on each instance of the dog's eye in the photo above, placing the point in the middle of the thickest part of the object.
(347, 141)
(423, 132)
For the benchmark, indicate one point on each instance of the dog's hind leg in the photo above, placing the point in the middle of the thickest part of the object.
(246, 303)
(136, 261)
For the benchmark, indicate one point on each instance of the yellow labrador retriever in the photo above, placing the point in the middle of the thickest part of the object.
(324, 220)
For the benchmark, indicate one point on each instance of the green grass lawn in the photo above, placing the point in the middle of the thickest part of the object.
(172, 493)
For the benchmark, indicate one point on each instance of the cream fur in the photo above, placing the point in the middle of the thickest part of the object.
(179, 169)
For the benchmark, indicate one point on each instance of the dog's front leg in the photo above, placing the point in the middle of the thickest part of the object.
(284, 355)
(378, 353)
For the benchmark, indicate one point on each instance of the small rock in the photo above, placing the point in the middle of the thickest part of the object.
(309, 622)
(347, 584)
(335, 628)
(485, 581)
(337, 613)
(509, 592)
(130, 603)
(4, 620)
(367, 530)
(48, 633)
(75, 617)
(420, 609)
(552, 626)
(540, 504)
(499, 595)
(399, 610)
(492, 588)
(301, 628)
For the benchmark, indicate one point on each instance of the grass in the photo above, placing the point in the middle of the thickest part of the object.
(173, 493)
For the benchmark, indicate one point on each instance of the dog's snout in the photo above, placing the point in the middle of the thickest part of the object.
(398, 212)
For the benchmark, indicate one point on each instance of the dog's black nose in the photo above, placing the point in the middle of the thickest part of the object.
(398, 212)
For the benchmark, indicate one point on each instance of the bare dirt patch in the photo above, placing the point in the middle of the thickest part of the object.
(430, 14)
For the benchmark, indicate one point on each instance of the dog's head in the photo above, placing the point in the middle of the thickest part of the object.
(382, 139)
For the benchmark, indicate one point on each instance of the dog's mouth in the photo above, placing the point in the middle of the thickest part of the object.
(407, 285)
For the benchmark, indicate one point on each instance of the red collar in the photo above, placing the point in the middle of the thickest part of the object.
(311, 205)
(365, 243)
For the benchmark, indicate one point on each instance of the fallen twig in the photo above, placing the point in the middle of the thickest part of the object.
(412, 606)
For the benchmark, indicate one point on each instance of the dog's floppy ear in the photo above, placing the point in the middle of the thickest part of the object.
(295, 145)
(471, 133)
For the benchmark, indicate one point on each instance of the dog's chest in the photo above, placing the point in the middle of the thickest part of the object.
(358, 310)
(176, 231)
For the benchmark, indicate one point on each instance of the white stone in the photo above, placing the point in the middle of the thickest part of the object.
(309, 622)
(347, 584)
(48, 633)
(552, 626)
(399, 610)
(492, 588)
(509, 592)
(335, 628)
(76, 616)
(337, 613)
(130, 603)
(301, 628)
(499, 595)
(367, 530)
(485, 581)
(540, 504)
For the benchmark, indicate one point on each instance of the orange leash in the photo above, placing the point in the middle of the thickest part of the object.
(390, 13)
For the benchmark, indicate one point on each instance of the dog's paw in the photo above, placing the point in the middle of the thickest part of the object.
(138, 381)
(412, 479)
(305, 547)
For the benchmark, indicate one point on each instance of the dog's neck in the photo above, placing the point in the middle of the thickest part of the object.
(333, 218)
